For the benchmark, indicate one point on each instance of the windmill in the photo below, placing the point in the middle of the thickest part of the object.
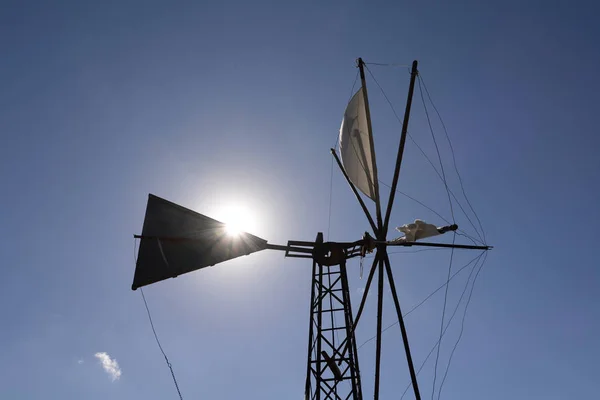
(176, 240)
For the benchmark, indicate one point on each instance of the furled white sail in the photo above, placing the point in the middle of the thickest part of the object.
(421, 230)
(418, 230)
(355, 147)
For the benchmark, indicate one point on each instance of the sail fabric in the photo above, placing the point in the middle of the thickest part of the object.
(355, 147)
(176, 240)
(418, 230)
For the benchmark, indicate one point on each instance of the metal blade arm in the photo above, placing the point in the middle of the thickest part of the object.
(413, 76)
(445, 245)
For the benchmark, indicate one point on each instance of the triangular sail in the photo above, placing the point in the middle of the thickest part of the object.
(355, 146)
(176, 240)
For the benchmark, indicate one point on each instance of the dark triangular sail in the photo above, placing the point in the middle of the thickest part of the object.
(176, 240)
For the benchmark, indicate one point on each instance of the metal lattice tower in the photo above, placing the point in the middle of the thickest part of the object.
(332, 369)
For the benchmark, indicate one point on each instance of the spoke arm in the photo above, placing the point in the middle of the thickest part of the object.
(363, 300)
(379, 328)
(411, 367)
(370, 130)
(366, 292)
(445, 245)
(411, 88)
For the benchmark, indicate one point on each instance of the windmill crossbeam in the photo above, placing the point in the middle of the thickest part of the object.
(325, 253)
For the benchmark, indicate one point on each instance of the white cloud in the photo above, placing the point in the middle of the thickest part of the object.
(110, 365)
(80, 361)
(360, 290)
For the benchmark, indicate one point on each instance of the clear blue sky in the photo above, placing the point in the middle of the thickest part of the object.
(239, 102)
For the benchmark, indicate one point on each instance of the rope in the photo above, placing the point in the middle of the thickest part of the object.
(437, 149)
(429, 296)
(462, 325)
(453, 156)
(416, 201)
(459, 233)
(448, 325)
(160, 346)
(462, 233)
(397, 65)
(437, 357)
(421, 150)
(388, 64)
(154, 330)
(449, 190)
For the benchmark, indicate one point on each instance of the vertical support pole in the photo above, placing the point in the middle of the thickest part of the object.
(361, 67)
(311, 338)
(332, 318)
(411, 89)
(319, 363)
(351, 340)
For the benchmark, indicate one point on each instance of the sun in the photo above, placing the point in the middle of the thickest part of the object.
(233, 228)
(237, 219)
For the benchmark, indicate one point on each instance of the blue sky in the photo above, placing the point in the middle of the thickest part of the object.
(213, 104)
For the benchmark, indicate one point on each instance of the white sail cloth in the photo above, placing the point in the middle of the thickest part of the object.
(355, 147)
(417, 230)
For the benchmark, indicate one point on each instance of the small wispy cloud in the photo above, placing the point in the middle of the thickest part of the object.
(80, 361)
(110, 365)
(360, 290)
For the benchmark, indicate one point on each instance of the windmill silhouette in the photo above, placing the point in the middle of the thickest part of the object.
(176, 240)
